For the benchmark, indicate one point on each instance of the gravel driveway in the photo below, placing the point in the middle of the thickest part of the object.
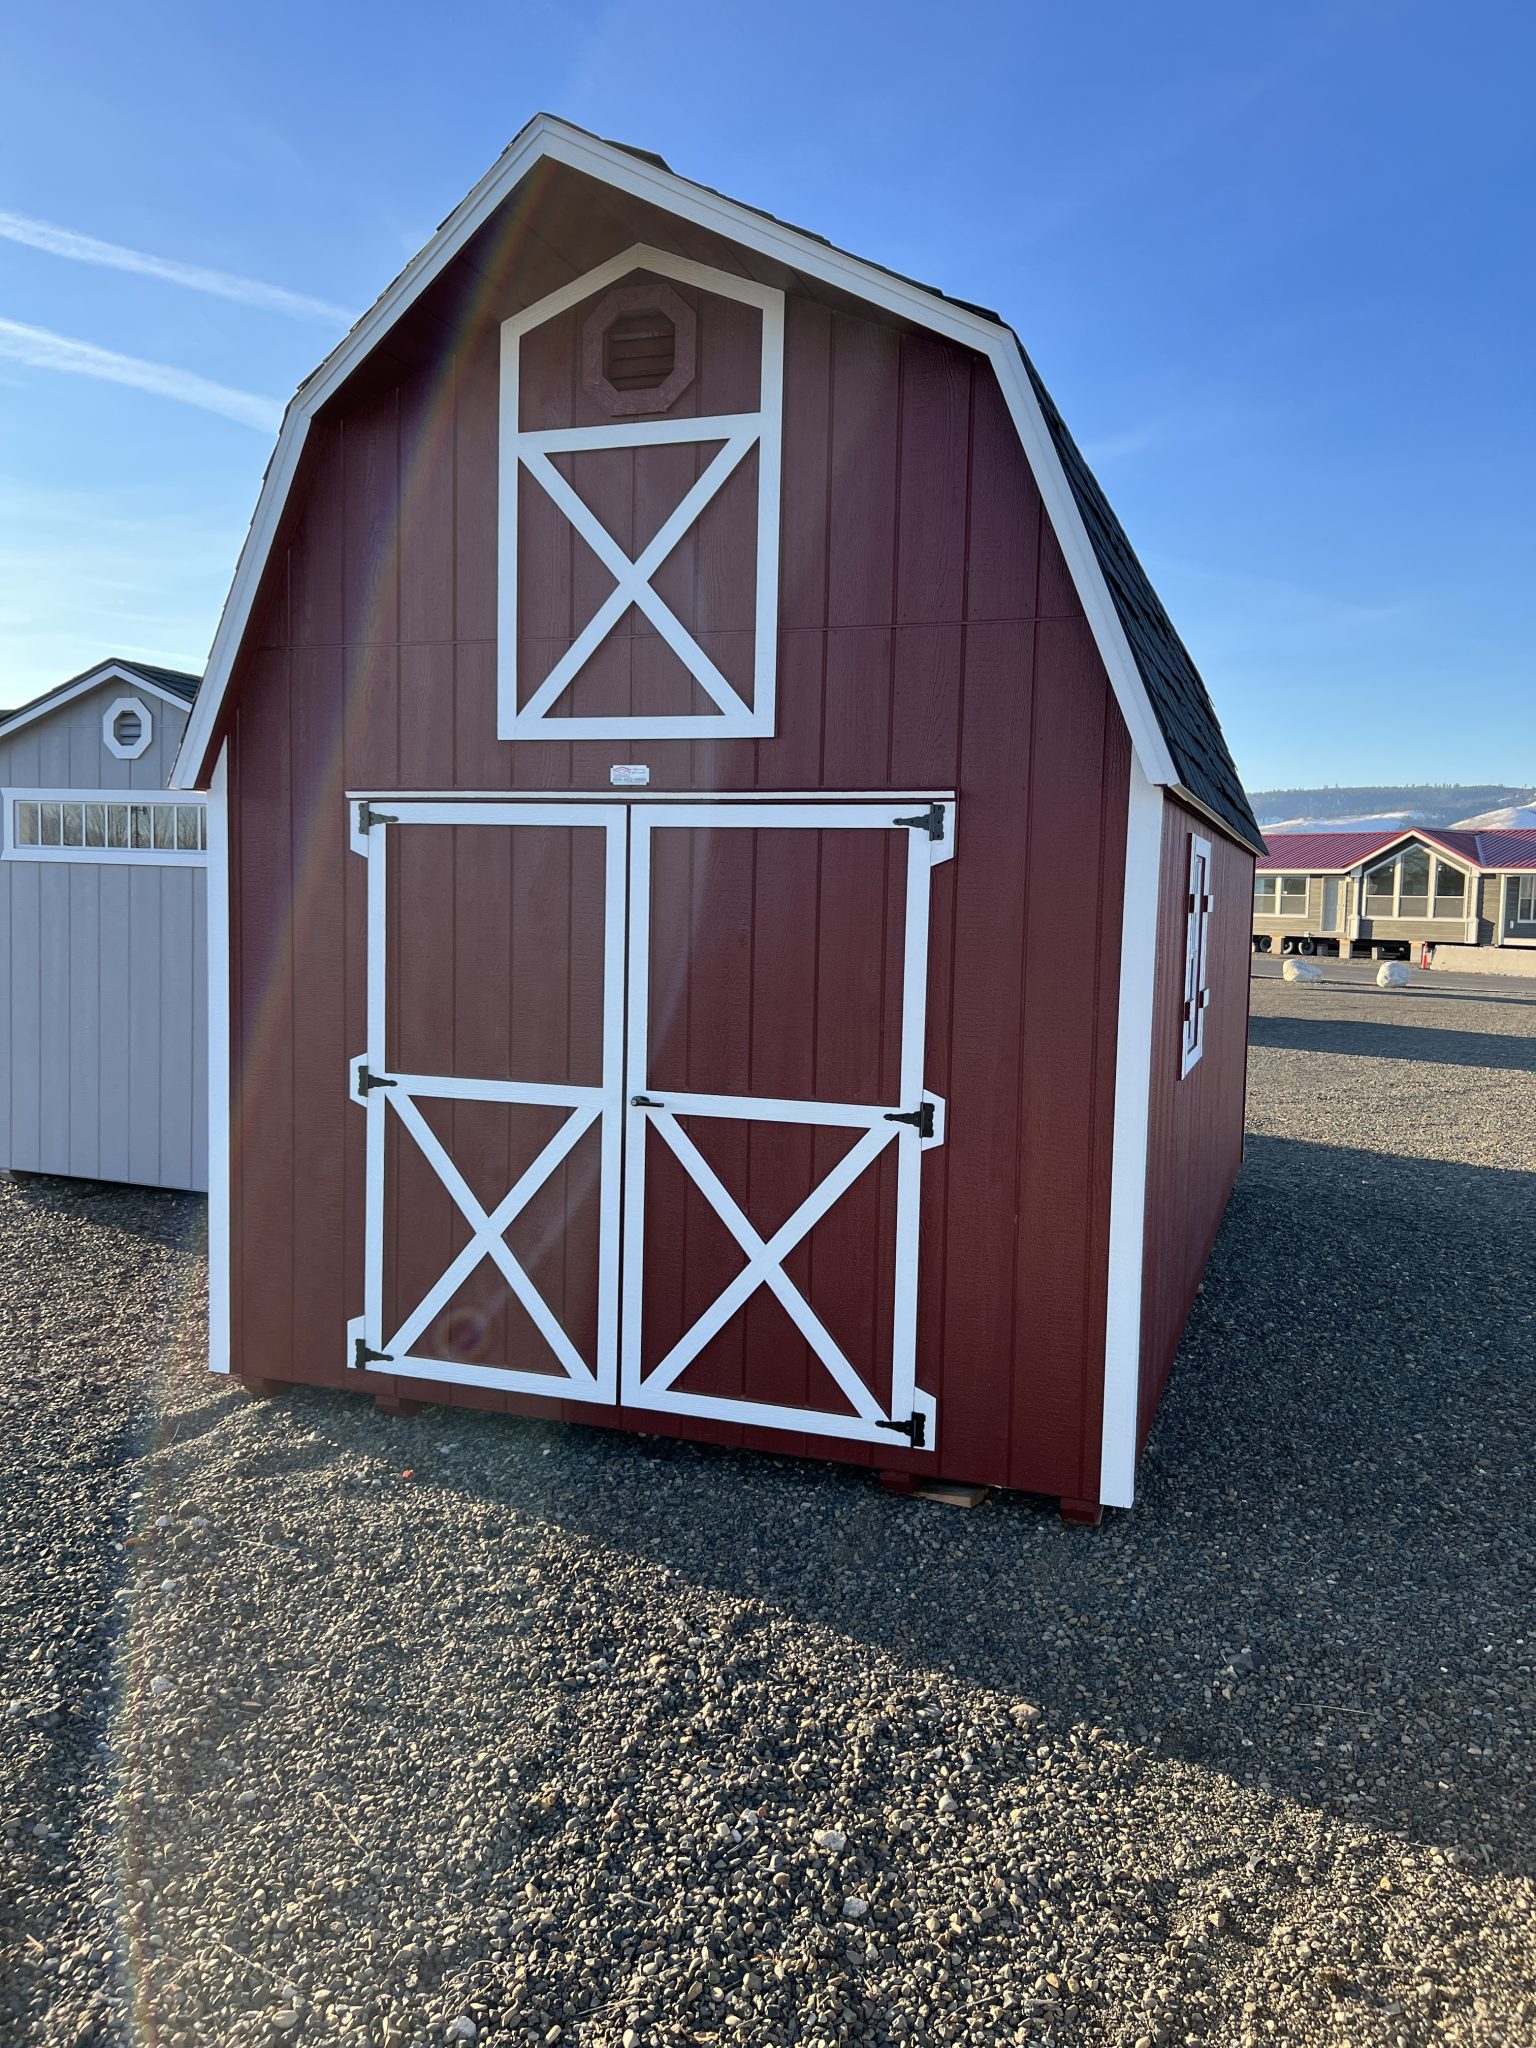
(321, 1728)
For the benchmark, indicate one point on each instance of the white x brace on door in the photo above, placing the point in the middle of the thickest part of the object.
(911, 1125)
(386, 1093)
(389, 1337)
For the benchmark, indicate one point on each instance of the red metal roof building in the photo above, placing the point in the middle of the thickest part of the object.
(1335, 852)
(1464, 893)
(731, 901)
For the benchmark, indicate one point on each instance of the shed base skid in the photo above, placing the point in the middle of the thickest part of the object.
(1086, 1514)
(261, 1389)
(392, 1404)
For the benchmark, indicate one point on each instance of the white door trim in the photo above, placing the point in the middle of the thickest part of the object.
(912, 1412)
(382, 1092)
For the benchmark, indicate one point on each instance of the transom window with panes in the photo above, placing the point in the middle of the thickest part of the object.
(1280, 895)
(98, 825)
(1415, 883)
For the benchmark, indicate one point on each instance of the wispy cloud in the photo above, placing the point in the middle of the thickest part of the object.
(119, 568)
(1133, 441)
(222, 284)
(45, 351)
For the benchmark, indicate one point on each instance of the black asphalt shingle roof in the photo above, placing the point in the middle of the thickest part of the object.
(175, 679)
(1179, 697)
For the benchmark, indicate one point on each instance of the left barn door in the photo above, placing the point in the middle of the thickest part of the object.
(493, 1087)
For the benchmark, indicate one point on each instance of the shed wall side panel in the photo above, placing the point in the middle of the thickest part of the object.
(929, 638)
(114, 1092)
(87, 1020)
(7, 968)
(24, 1000)
(1195, 1140)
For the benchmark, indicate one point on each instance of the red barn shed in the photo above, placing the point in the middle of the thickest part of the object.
(730, 902)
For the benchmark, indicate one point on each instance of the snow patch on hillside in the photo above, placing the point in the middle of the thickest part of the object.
(1378, 822)
(1512, 818)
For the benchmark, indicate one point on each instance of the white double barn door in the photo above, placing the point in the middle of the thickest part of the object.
(645, 1104)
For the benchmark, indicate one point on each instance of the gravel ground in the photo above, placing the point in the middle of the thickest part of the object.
(321, 1728)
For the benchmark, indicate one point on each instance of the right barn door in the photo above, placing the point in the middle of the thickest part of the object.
(777, 1114)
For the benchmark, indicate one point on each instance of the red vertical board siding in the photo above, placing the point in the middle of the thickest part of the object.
(929, 637)
(1195, 1134)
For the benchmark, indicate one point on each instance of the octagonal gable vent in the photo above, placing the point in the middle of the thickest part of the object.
(639, 346)
(127, 728)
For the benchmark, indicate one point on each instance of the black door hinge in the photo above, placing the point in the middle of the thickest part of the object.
(930, 821)
(362, 1356)
(916, 1428)
(645, 1102)
(365, 1081)
(922, 1116)
(368, 817)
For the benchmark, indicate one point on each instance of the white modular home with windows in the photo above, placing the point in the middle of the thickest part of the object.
(1468, 895)
(103, 934)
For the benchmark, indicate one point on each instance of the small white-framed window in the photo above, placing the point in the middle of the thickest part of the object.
(1197, 990)
(103, 826)
(1523, 889)
(1280, 895)
(127, 727)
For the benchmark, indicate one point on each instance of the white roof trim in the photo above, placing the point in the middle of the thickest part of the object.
(546, 138)
(109, 672)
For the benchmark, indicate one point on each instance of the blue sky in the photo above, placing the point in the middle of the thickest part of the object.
(1274, 263)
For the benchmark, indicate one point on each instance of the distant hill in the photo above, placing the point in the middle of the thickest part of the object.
(1394, 806)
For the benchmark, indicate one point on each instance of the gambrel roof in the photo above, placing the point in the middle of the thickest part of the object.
(1174, 730)
(175, 685)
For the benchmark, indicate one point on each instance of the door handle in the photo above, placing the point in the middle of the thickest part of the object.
(645, 1102)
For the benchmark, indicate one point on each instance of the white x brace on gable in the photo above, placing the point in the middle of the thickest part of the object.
(525, 459)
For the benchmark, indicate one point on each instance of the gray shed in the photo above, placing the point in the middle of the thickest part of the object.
(103, 934)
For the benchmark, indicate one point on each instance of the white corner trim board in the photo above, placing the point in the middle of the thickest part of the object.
(1128, 1173)
(525, 464)
(218, 1065)
(548, 140)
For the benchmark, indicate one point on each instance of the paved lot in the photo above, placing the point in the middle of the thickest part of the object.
(319, 1728)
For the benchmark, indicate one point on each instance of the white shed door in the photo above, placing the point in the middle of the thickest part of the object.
(778, 970)
(493, 1088)
(760, 1103)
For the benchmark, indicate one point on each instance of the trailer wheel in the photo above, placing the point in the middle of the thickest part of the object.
(1306, 946)
(1262, 942)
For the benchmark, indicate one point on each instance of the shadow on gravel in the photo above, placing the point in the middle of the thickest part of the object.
(1338, 1484)
(1367, 1039)
(165, 1216)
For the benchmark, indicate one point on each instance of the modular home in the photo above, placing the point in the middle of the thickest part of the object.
(1471, 895)
(103, 916)
(730, 902)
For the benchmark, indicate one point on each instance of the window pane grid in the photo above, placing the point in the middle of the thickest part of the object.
(82, 825)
